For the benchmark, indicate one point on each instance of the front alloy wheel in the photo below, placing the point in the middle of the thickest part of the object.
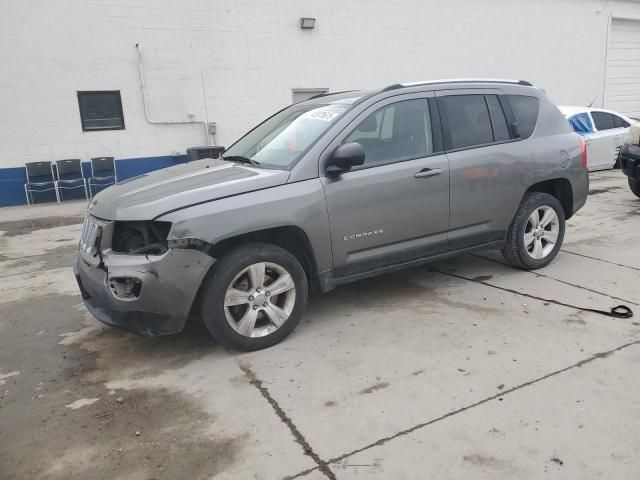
(260, 299)
(253, 296)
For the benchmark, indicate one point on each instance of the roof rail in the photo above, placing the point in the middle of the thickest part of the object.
(457, 80)
(319, 95)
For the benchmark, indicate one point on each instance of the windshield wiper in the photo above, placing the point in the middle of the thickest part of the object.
(240, 158)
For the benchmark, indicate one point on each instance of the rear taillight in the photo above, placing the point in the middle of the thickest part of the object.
(583, 149)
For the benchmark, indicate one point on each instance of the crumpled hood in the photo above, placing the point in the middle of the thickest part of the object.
(148, 196)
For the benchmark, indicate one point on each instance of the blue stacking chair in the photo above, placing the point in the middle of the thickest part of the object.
(40, 178)
(103, 173)
(69, 177)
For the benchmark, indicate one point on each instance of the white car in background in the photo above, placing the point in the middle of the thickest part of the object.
(604, 132)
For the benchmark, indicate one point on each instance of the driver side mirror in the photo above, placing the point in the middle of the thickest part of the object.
(344, 158)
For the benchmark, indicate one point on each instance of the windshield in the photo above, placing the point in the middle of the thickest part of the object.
(279, 141)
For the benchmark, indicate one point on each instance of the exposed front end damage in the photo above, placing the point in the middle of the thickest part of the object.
(132, 277)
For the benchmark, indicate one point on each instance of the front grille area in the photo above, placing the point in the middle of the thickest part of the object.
(90, 236)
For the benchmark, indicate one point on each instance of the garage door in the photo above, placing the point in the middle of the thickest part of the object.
(622, 91)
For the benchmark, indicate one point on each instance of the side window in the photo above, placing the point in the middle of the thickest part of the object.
(498, 120)
(619, 122)
(400, 131)
(468, 120)
(603, 120)
(525, 110)
(369, 127)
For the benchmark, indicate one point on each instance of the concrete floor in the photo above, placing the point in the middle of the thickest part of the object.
(463, 369)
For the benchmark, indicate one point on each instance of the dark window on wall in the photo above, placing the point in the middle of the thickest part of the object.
(468, 120)
(101, 110)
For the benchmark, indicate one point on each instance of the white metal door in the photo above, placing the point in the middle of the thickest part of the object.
(622, 91)
(599, 151)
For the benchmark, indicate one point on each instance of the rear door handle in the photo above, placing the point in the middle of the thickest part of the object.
(428, 172)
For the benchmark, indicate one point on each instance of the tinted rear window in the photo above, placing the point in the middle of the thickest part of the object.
(602, 120)
(468, 120)
(620, 122)
(607, 121)
(525, 109)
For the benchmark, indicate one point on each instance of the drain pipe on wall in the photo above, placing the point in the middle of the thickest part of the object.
(145, 102)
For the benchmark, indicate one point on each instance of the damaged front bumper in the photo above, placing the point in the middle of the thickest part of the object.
(146, 294)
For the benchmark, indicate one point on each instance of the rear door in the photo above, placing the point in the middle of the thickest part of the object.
(489, 169)
(611, 130)
(395, 207)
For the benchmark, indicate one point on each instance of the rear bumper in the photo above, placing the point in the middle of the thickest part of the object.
(169, 284)
(580, 188)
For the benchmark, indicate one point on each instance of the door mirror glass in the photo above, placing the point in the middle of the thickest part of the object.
(345, 157)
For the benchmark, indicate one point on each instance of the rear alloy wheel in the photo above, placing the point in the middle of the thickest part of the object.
(541, 232)
(536, 233)
(254, 296)
(634, 185)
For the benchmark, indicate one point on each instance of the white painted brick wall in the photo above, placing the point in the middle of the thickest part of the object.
(252, 53)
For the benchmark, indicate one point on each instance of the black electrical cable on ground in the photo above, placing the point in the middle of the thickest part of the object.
(619, 311)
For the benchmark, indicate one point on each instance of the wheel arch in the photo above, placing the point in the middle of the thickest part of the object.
(561, 189)
(290, 237)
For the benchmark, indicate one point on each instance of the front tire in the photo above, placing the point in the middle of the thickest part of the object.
(536, 233)
(634, 185)
(254, 296)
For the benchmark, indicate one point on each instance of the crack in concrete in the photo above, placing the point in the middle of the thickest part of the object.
(608, 202)
(7, 259)
(501, 394)
(522, 294)
(557, 280)
(600, 260)
(297, 435)
(21, 273)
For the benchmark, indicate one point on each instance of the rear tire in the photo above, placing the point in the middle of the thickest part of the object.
(536, 233)
(254, 296)
(634, 185)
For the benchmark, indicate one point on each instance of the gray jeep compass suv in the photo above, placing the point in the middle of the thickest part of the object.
(328, 191)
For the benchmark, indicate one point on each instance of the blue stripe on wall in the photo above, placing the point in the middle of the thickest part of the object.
(12, 179)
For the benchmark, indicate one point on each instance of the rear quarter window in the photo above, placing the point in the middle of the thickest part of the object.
(525, 110)
(603, 120)
(620, 122)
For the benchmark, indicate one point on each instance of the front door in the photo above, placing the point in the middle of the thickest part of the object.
(394, 207)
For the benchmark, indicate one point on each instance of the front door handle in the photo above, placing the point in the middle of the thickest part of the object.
(428, 172)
